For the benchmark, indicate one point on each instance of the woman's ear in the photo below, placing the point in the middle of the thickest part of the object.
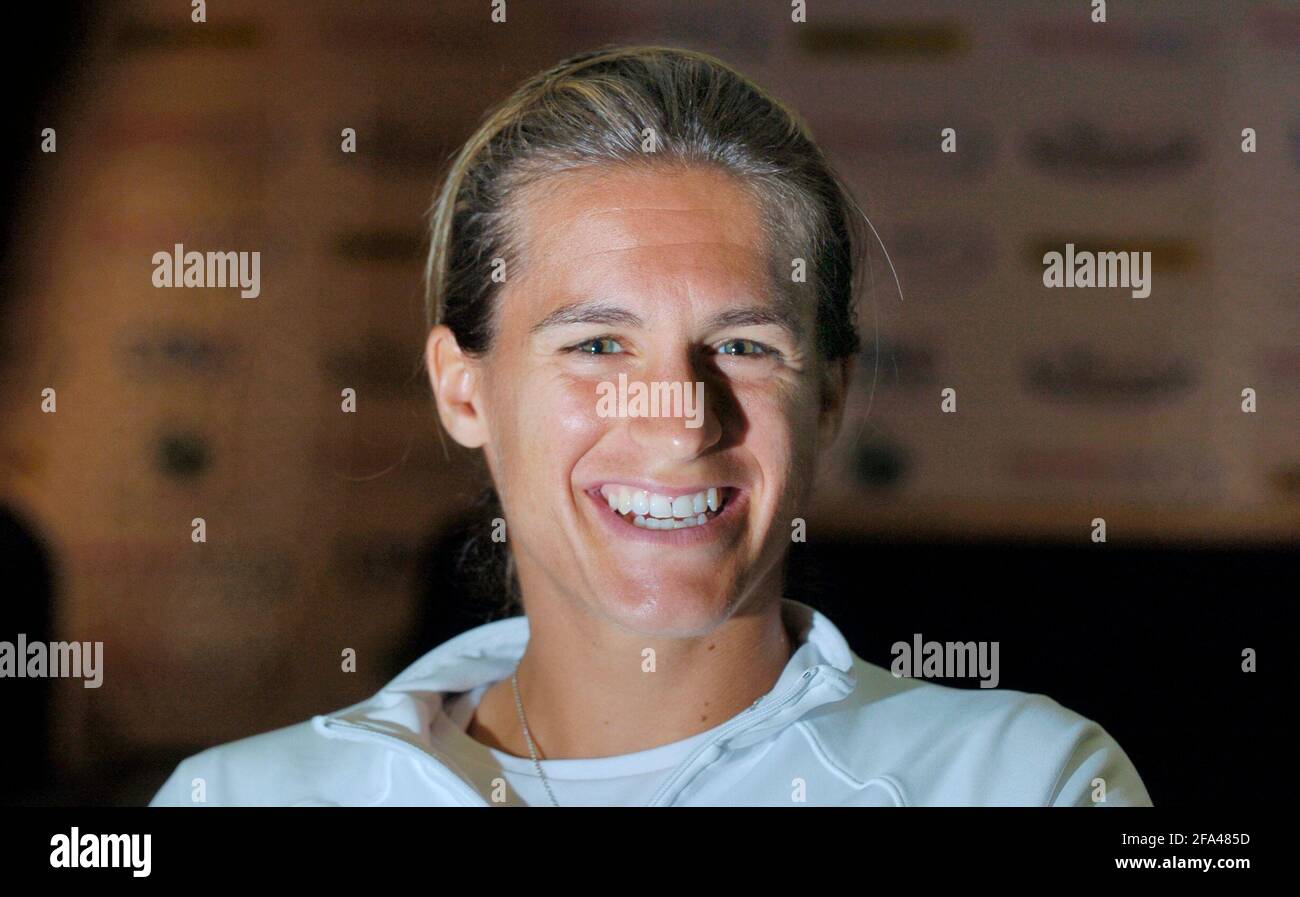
(456, 381)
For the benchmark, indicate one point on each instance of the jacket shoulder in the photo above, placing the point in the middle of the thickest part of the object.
(291, 766)
(938, 745)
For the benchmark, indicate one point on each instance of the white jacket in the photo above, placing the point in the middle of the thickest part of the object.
(835, 730)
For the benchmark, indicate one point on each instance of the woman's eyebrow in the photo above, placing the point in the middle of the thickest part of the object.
(606, 313)
(595, 312)
(782, 316)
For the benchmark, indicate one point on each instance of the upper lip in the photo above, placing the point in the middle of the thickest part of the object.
(656, 488)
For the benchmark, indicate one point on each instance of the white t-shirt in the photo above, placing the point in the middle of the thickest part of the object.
(622, 781)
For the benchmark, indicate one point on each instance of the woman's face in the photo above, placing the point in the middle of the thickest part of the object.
(653, 278)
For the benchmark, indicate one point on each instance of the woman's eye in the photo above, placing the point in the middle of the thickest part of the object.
(601, 345)
(742, 347)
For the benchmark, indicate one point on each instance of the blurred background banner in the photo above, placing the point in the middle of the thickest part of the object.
(329, 530)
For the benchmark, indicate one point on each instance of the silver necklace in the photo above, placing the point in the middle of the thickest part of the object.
(532, 751)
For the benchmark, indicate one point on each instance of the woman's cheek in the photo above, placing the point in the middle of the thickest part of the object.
(780, 439)
(540, 394)
(580, 402)
(773, 414)
(562, 407)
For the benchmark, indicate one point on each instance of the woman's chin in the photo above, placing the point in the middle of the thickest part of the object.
(672, 607)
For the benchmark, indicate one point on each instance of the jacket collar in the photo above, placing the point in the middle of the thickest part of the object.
(820, 671)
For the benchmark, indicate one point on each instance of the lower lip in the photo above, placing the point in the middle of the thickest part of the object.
(687, 535)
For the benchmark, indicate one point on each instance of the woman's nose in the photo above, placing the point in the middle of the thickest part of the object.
(680, 420)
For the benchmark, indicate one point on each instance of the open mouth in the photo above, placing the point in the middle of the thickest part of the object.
(653, 510)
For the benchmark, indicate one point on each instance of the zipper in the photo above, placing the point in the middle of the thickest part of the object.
(468, 796)
(746, 719)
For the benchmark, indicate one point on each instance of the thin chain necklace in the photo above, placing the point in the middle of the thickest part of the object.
(532, 751)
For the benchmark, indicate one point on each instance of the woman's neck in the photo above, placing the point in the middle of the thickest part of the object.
(590, 689)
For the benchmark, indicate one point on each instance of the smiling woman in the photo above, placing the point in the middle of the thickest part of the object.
(653, 213)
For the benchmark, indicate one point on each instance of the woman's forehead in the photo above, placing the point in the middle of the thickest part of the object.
(607, 210)
(636, 232)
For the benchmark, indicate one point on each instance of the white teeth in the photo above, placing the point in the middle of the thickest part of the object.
(656, 523)
(655, 511)
(661, 505)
